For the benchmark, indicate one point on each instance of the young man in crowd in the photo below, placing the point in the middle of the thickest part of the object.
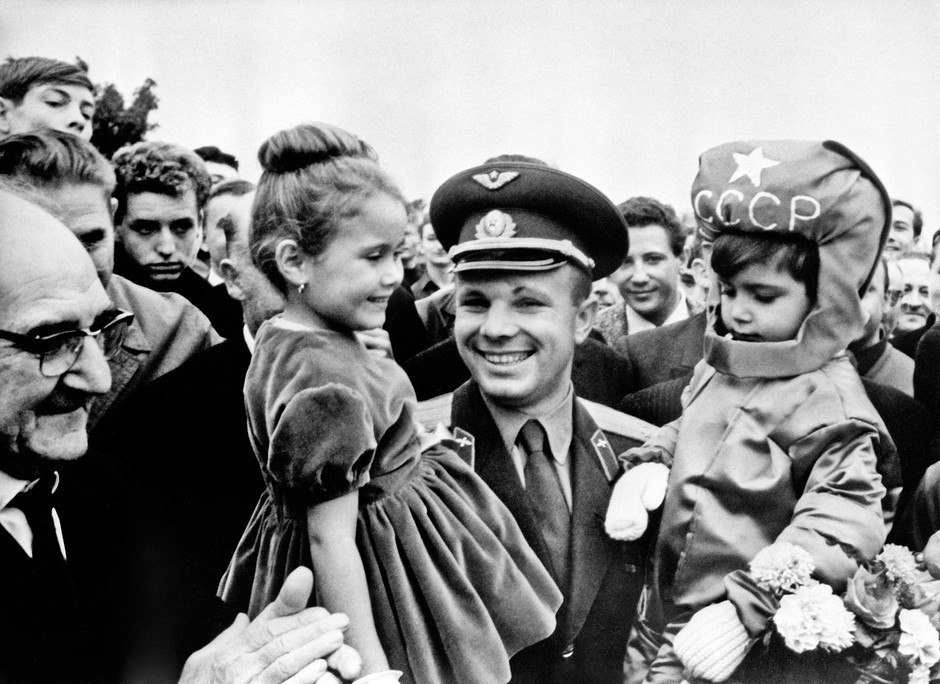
(76, 182)
(202, 452)
(161, 192)
(875, 358)
(915, 315)
(649, 276)
(906, 225)
(412, 260)
(38, 93)
(222, 198)
(438, 266)
(221, 166)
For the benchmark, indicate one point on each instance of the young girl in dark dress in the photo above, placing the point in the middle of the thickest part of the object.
(401, 535)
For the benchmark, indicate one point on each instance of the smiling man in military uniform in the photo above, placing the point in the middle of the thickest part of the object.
(527, 241)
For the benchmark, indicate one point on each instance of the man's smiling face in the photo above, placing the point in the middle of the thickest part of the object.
(517, 333)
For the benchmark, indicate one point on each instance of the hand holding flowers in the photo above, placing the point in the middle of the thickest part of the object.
(884, 628)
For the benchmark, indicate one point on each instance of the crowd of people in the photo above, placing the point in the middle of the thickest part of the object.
(515, 432)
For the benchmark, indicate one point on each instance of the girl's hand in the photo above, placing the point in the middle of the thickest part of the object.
(345, 662)
(376, 342)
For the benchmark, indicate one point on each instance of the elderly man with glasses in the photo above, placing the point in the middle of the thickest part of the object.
(73, 181)
(75, 579)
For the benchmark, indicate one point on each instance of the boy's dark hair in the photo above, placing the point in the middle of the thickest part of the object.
(639, 212)
(918, 217)
(158, 167)
(53, 159)
(211, 153)
(733, 252)
(18, 75)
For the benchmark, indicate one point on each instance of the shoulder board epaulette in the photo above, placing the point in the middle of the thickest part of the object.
(436, 411)
(619, 423)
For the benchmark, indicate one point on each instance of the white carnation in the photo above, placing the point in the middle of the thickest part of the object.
(781, 567)
(919, 640)
(812, 618)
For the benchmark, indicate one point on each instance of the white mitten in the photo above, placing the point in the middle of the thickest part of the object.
(386, 677)
(714, 642)
(346, 662)
(640, 489)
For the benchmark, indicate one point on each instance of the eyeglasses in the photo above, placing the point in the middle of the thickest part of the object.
(59, 351)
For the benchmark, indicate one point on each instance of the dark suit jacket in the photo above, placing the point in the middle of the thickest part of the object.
(606, 576)
(667, 352)
(403, 325)
(599, 374)
(187, 432)
(120, 621)
(223, 312)
(907, 342)
(59, 631)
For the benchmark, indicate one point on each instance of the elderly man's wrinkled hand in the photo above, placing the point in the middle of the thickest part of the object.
(287, 642)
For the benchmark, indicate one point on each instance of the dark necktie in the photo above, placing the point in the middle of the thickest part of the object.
(546, 497)
(47, 560)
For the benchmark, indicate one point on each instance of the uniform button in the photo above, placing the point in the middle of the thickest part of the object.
(568, 652)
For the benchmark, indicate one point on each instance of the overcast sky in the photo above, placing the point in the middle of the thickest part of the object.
(624, 93)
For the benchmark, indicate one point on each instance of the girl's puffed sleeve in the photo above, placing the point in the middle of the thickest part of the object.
(322, 443)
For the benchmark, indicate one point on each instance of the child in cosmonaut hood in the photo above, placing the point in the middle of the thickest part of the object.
(777, 440)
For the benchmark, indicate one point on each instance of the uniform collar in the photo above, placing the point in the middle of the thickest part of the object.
(557, 422)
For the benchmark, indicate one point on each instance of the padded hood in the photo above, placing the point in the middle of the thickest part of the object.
(819, 190)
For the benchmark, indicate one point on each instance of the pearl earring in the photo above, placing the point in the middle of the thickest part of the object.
(301, 288)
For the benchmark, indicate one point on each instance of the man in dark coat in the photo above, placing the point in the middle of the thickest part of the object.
(669, 351)
(202, 453)
(527, 241)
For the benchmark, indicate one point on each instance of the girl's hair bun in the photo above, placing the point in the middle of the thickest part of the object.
(308, 144)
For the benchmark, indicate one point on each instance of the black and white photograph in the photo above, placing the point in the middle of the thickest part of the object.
(469, 342)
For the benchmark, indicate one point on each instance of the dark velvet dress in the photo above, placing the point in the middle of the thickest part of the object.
(455, 588)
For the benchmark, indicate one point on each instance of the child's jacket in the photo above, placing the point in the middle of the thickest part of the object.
(759, 460)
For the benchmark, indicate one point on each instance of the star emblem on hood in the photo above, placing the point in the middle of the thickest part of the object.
(751, 165)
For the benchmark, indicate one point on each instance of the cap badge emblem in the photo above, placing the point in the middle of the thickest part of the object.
(495, 179)
(751, 165)
(495, 224)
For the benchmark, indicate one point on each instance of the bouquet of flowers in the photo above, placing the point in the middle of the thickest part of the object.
(885, 626)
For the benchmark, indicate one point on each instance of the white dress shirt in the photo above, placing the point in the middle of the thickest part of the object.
(13, 520)
(636, 323)
(557, 422)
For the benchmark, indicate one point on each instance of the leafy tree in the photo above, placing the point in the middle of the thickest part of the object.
(115, 125)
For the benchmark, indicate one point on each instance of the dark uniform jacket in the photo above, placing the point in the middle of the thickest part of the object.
(606, 576)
